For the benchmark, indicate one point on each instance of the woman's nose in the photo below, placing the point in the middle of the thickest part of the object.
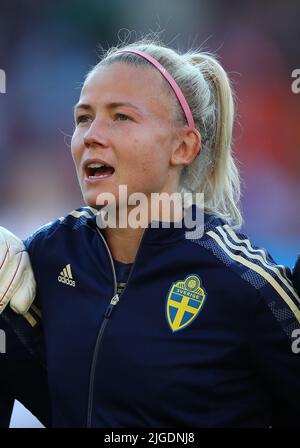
(96, 134)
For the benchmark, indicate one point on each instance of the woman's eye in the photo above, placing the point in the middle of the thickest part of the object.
(122, 117)
(82, 119)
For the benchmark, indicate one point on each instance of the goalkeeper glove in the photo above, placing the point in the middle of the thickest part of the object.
(17, 283)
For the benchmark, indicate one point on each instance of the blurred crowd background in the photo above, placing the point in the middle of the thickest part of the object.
(46, 47)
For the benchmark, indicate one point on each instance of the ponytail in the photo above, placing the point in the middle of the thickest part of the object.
(219, 179)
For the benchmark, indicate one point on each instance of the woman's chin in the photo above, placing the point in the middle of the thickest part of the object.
(94, 201)
(91, 200)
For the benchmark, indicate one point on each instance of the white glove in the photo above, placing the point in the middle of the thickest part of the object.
(17, 283)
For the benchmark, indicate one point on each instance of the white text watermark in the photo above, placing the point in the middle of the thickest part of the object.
(138, 210)
(296, 342)
(2, 341)
(2, 81)
(296, 83)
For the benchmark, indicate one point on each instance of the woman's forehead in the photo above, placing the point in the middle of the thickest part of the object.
(122, 82)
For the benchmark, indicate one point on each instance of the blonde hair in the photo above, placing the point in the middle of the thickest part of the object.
(207, 90)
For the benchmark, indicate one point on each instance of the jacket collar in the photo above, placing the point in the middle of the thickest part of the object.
(162, 232)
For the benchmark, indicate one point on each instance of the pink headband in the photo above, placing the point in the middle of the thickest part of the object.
(177, 90)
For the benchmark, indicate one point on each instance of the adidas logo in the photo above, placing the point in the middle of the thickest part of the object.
(66, 276)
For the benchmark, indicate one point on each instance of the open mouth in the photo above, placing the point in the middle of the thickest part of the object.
(97, 170)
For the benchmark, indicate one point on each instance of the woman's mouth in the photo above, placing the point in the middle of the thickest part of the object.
(96, 171)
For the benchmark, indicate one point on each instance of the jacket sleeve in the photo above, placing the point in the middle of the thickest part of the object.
(22, 366)
(273, 331)
(6, 408)
(296, 275)
(23, 374)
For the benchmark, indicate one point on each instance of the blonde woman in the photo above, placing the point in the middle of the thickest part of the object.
(146, 326)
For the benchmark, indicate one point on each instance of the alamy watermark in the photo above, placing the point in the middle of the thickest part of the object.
(2, 81)
(296, 342)
(296, 83)
(2, 341)
(137, 210)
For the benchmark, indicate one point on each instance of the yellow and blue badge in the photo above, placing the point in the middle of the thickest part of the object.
(185, 300)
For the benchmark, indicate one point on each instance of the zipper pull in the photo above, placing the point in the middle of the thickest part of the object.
(110, 307)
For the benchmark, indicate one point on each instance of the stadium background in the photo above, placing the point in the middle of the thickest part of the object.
(47, 47)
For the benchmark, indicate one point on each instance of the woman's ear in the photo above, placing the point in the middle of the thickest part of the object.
(188, 148)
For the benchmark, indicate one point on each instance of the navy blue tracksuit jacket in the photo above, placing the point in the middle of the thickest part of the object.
(201, 336)
(296, 275)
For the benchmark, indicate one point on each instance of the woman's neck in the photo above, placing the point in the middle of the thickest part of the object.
(123, 243)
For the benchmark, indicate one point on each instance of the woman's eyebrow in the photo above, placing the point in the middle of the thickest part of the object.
(81, 106)
(112, 105)
(122, 103)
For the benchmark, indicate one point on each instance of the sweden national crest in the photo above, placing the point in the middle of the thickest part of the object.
(184, 302)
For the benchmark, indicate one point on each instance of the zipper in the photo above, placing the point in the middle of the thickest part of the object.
(110, 307)
(114, 301)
